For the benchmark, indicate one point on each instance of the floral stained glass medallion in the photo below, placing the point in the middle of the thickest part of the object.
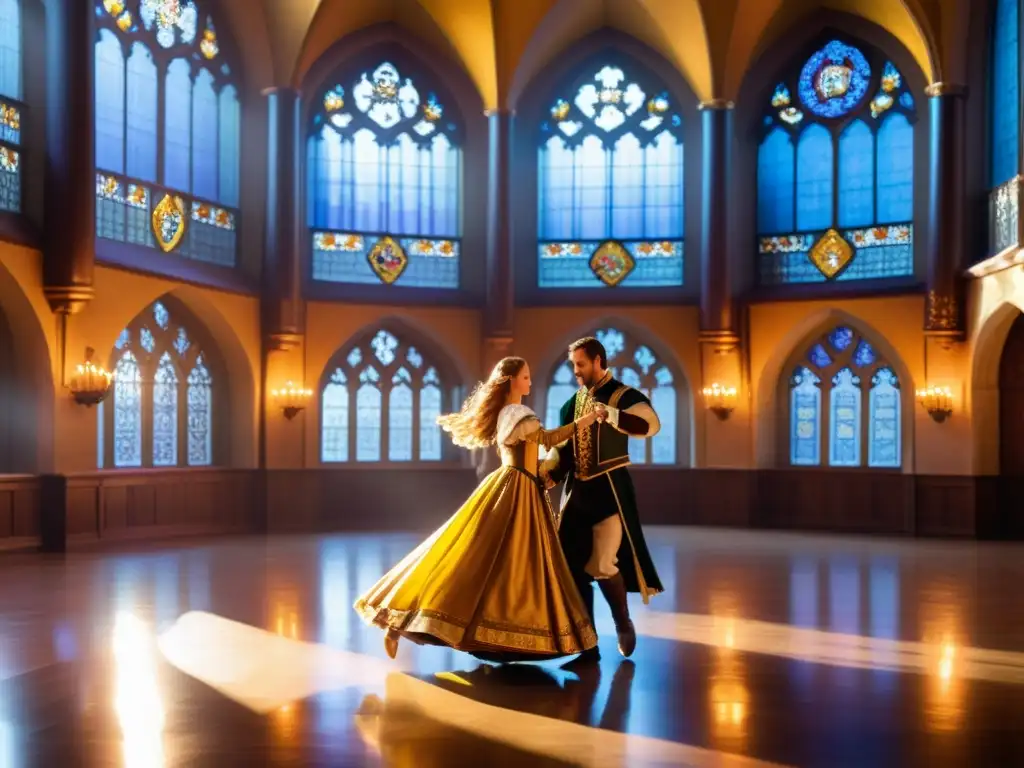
(831, 254)
(834, 79)
(169, 222)
(611, 263)
(171, 19)
(388, 260)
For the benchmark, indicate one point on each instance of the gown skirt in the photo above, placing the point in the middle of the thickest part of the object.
(492, 581)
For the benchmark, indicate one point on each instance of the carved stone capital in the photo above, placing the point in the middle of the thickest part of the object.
(68, 299)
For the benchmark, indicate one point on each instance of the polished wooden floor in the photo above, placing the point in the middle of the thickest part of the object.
(766, 649)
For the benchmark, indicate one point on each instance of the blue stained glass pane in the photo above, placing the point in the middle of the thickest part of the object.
(205, 160)
(109, 103)
(141, 136)
(368, 423)
(400, 423)
(864, 355)
(663, 444)
(834, 79)
(775, 169)
(844, 440)
(804, 419)
(856, 175)
(884, 420)
(555, 198)
(814, 179)
(1005, 102)
(10, 48)
(895, 170)
(663, 188)
(627, 183)
(841, 338)
(430, 432)
(127, 412)
(178, 126)
(614, 342)
(165, 414)
(592, 175)
(229, 126)
(334, 434)
(907, 100)
(819, 357)
(567, 264)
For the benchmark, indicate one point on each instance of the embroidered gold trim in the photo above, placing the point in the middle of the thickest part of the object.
(646, 592)
(483, 636)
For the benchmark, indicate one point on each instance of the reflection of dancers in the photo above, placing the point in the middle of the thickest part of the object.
(600, 528)
(492, 580)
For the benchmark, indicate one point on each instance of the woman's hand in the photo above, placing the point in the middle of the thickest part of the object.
(586, 421)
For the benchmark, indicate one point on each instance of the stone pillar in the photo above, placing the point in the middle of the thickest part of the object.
(723, 443)
(69, 250)
(498, 310)
(717, 317)
(284, 312)
(946, 238)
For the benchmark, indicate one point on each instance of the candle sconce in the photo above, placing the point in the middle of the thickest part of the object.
(291, 399)
(937, 401)
(720, 400)
(90, 383)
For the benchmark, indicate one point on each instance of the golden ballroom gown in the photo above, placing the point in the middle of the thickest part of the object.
(491, 581)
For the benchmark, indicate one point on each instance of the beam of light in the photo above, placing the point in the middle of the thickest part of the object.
(137, 700)
(262, 670)
(552, 738)
(857, 651)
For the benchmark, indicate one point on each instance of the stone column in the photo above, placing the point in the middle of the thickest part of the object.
(946, 242)
(69, 250)
(717, 317)
(500, 295)
(720, 443)
(282, 277)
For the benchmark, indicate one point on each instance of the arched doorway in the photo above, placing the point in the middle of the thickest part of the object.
(1011, 432)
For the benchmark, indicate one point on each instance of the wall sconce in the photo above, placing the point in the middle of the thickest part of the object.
(720, 400)
(291, 399)
(90, 384)
(938, 401)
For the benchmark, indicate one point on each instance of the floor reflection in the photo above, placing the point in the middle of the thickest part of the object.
(786, 649)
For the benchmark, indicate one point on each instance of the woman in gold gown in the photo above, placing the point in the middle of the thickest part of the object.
(492, 581)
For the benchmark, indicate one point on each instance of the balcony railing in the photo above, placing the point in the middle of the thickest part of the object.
(10, 154)
(1003, 216)
(142, 213)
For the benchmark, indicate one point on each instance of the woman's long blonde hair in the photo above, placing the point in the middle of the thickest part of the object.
(476, 425)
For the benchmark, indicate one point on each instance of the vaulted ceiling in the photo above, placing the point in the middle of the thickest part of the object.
(503, 44)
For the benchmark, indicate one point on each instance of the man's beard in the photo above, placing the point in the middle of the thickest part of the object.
(586, 381)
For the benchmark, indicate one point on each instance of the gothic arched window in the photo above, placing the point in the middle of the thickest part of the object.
(384, 173)
(845, 405)
(636, 365)
(167, 130)
(1004, 125)
(10, 105)
(380, 400)
(161, 410)
(610, 184)
(835, 171)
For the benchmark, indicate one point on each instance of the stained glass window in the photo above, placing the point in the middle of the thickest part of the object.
(1004, 127)
(610, 185)
(635, 364)
(843, 395)
(835, 171)
(167, 181)
(384, 174)
(397, 395)
(162, 409)
(10, 105)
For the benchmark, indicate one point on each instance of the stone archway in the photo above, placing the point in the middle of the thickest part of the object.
(1011, 433)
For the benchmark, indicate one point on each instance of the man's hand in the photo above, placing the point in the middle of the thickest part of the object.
(601, 413)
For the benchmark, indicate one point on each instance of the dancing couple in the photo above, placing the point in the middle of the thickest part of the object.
(506, 578)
